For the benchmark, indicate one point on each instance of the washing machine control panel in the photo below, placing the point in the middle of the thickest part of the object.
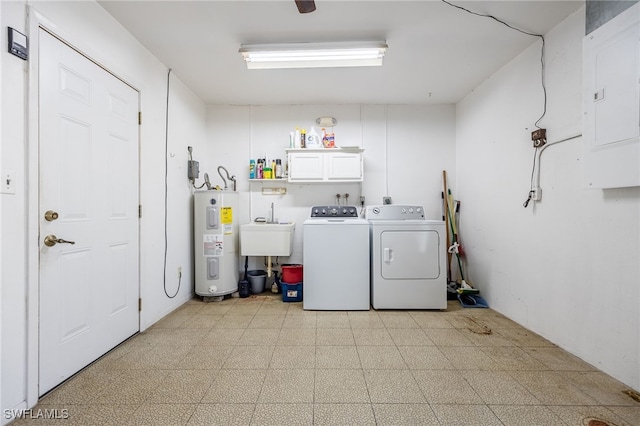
(334, 211)
(394, 212)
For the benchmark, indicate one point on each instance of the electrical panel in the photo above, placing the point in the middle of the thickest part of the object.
(611, 96)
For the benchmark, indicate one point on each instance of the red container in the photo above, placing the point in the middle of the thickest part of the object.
(292, 273)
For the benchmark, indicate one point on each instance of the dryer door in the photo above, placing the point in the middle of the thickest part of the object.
(410, 254)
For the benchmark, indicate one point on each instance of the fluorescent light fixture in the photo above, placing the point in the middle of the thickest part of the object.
(313, 55)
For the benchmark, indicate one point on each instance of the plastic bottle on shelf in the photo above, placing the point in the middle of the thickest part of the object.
(260, 170)
(252, 169)
(313, 139)
(296, 138)
(303, 138)
(278, 168)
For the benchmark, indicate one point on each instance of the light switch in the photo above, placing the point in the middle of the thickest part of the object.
(8, 182)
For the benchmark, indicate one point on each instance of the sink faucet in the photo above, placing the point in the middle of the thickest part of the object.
(273, 216)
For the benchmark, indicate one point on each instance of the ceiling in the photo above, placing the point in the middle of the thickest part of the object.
(437, 53)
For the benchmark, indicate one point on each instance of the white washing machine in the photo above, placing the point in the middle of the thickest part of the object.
(335, 253)
(408, 258)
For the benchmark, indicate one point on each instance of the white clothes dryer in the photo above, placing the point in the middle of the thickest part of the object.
(408, 258)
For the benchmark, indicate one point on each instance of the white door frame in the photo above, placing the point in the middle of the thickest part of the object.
(35, 21)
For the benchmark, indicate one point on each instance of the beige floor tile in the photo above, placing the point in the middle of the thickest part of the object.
(210, 357)
(163, 414)
(131, 388)
(558, 359)
(82, 388)
(468, 415)
(523, 337)
(551, 388)
(276, 414)
(173, 337)
(398, 320)
(288, 386)
(340, 386)
(469, 358)
(431, 319)
(249, 357)
(445, 387)
(393, 386)
(512, 358)
(222, 336)
(259, 336)
(580, 415)
(331, 319)
(447, 337)
(337, 357)
(182, 387)
(273, 321)
(524, 415)
(201, 321)
(630, 414)
(381, 357)
(485, 337)
(245, 309)
(498, 387)
(91, 414)
(334, 336)
(604, 389)
(231, 320)
(296, 337)
(410, 337)
(285, 357)
(364, 319)
(152, 359)
(173, 320)
(218, 308)
(302, 319)
(258, 360)
(404, 414)
(372, 337)
(222, 415)
(235, 387)
(425, 357)
(343, 414)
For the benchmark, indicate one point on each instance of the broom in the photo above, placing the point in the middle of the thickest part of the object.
(456, 248)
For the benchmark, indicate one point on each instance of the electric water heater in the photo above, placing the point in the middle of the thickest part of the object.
(215, 238)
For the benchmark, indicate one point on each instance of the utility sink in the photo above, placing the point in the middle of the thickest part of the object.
(266, 239)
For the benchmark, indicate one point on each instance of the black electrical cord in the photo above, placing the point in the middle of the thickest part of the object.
(166, 193)
(533, 170)
(544, 88)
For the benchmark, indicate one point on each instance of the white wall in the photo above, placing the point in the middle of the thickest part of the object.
(406, 149)
(92, 30)
(567, 266)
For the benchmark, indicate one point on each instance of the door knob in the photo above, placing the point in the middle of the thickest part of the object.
(50, 215)
(51, 240)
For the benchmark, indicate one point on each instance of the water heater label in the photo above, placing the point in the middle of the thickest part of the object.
(226, 215)
(212, 245)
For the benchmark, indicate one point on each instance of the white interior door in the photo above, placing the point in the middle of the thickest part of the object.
(89, 177)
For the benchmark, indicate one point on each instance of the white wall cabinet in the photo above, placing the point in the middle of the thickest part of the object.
(325, 165)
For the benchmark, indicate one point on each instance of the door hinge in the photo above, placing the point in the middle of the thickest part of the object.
(139, 117)
(140, 211)
(140, 305)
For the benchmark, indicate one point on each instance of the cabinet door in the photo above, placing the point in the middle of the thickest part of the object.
(306, 166)
(344, 166)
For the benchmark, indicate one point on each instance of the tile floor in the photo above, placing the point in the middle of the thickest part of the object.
(259, 361)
